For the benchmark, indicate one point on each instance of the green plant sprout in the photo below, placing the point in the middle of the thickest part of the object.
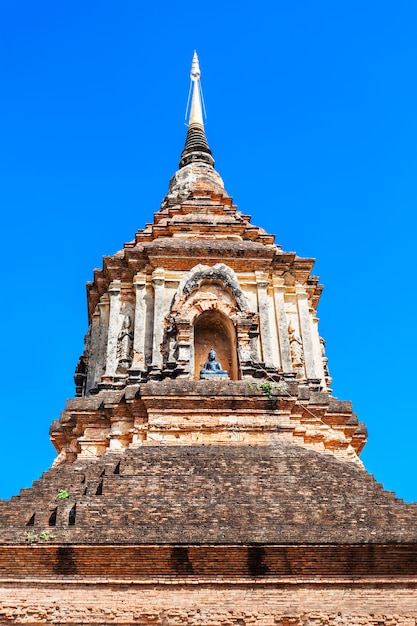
(46, 536)
(267, 388)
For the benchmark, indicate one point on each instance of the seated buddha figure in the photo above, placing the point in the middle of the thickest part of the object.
(213, 369)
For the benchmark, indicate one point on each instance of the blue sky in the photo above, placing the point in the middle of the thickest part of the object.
(312, 121)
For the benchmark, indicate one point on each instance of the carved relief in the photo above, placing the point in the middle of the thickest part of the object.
(297, 353)
(327, 376)
(170, 346)
(80, 376)
(124, 346)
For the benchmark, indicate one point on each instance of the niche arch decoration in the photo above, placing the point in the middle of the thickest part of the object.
(209, 307)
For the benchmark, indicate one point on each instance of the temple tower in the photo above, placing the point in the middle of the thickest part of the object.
(205, 474)
(202, 277)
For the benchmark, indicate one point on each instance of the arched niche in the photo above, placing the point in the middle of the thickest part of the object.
(213, 329)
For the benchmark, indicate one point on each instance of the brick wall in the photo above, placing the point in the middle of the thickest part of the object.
(275, 494)
(244, 603)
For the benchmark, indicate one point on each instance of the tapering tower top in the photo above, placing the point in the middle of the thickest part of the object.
(196, 147)
(196, 111)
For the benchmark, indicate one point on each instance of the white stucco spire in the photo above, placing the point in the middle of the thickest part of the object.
(196, 109)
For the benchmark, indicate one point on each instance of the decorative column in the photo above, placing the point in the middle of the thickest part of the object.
(264, 321)
(104, 309)
(113, 331)
(94, 351)
(138, 365)
(282, 325)
(185, 356)
(99, 331)
(319, 355)
(307, 333)
(158, 280)
(243, 328)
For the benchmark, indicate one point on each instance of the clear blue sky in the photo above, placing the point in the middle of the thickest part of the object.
(312, 119)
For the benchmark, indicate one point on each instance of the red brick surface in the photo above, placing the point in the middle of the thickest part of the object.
(278, 494)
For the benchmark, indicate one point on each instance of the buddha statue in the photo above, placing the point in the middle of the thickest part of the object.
(213, 369)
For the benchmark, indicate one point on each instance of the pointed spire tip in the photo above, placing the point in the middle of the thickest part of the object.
(195, 68)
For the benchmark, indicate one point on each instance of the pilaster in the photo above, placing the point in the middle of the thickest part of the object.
(94, 350)
(139, 332)
(104, 310)
(113, 331)
(262, 282)
(307, 333)
(318, 351)
(158, 281)
(282, 325)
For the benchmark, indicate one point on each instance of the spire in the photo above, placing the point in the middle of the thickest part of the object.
(196, 147)
(196, 111)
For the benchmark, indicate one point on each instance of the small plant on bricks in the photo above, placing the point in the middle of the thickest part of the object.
(46, 536)
(267, 388)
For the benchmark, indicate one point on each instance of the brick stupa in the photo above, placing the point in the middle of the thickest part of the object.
(205, 474)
